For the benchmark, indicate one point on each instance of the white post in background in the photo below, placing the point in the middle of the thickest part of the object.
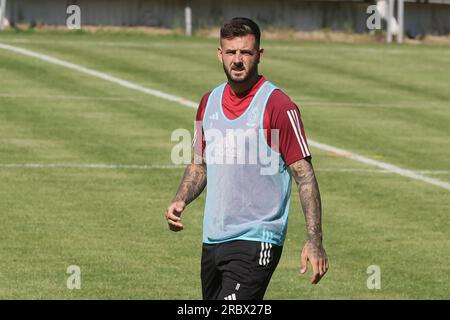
(188, 20)
(400, 15)
(2, 13)
(390, 15)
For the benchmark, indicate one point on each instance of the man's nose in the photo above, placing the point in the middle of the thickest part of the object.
(237, 58)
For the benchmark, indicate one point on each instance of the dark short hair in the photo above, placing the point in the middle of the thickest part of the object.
(239, 27)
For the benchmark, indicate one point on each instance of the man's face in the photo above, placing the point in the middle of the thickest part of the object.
(240, 57)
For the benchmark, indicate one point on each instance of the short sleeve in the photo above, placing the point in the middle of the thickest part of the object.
(198, 142)
(285, 116)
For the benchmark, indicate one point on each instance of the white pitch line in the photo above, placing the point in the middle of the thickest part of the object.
(179, 166)
(391, 105)
(88, 166)
(100, 75)
(434, 171)
(63, 97)
(439, 172)
(381, 165)
(345, 153)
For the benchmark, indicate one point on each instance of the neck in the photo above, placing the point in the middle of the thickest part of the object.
(241, 88)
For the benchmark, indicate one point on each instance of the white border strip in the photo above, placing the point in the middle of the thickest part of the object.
(192, 104)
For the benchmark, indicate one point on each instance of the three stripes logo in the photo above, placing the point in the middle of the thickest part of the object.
(231, 297)
(295, 122)
(264, 254)
(214, 116)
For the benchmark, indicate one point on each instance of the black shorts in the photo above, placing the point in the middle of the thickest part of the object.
(238, 270)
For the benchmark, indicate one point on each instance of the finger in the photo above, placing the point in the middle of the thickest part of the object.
(321, 268)
(325, 266)
(316, 278)
(171, 215)
(316, 273)
(174, 223)
(304, 263)
(174, 228)
(315, 265)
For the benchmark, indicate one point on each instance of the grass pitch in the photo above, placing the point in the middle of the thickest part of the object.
(389, 103)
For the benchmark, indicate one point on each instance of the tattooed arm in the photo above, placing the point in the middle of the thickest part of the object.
(192, 185)
(313, 251)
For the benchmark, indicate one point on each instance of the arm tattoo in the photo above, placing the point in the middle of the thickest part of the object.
(303, 173)
(193, 183)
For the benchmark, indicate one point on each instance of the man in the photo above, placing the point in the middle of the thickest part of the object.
(245, 218)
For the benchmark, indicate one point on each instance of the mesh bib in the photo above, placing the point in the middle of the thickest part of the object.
(248, 186)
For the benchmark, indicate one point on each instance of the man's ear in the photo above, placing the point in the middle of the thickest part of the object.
(219, 54)
(261, 54)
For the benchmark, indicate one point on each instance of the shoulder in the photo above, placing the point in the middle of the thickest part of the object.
(205, 97)
(280, 101)
(280, 96)
(202, 106)
(278, 107)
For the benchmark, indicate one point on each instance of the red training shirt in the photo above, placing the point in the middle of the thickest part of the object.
(280, 113)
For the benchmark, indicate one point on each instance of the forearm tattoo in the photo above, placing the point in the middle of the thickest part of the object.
(193, 183)
(303, 173)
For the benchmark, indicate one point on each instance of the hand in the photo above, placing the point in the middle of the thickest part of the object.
(315, 254)
(173, 215)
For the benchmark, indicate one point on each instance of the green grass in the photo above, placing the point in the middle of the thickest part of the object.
(389, 103)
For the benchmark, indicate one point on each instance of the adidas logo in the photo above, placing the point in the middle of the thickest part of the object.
(231, 297)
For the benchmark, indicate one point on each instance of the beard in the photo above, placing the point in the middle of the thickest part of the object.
(250, 73)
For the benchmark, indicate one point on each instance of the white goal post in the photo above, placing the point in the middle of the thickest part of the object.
(394, 26)
(2, 13)
(400, 15)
